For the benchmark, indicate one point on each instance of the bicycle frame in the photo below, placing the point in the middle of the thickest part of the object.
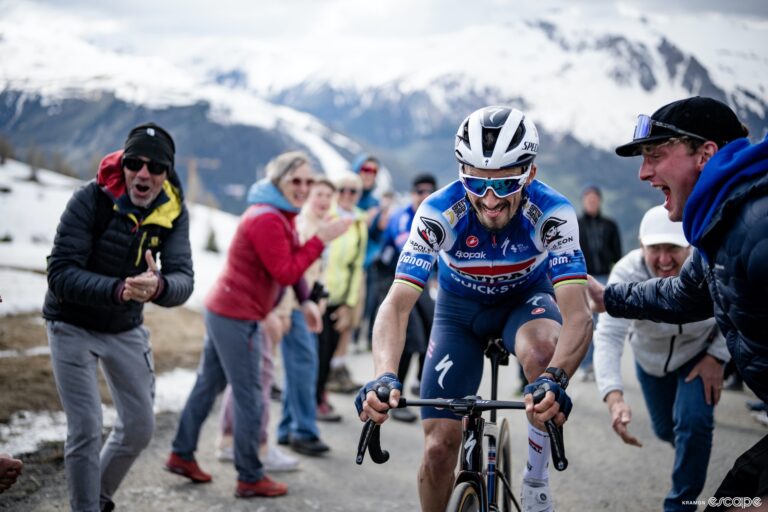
(474, 428)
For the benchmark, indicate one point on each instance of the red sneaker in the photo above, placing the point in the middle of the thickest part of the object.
(264, 487)
(187, 468)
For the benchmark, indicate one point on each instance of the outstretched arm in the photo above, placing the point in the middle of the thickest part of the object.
(681, 299)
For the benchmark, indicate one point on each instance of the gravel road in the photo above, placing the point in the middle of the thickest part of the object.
(604, 474)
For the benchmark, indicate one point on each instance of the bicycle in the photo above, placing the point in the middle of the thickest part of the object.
(476, 489)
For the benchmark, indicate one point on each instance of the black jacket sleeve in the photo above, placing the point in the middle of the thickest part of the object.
(68, 278)
(681, 299)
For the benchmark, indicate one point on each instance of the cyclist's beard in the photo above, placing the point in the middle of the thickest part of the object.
(498, 217)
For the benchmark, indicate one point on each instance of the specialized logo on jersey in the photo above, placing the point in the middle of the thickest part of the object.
(443, 366)
(431, 232)
(472, 241)
(515, 248)
(550, 231)
(454, 214)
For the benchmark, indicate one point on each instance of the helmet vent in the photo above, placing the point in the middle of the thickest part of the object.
(518, 137)
(490, 135)
(465, 134)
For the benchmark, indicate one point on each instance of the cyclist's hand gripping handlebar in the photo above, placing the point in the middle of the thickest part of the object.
(370, 437)
(539, 390)
(387, 381)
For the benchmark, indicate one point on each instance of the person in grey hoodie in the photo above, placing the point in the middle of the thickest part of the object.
(679, 366)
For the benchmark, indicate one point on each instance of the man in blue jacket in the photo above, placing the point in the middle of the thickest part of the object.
(696, 152)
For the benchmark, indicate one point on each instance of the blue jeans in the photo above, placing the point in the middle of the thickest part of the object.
(299, 348)
(231, 354)
(681, 417)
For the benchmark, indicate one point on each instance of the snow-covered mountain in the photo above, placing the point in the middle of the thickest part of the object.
(582, 72)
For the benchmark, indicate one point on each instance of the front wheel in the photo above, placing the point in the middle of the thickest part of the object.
(464, 498)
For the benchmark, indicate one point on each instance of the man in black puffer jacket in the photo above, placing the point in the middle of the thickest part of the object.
(101, 272)
(716, 182)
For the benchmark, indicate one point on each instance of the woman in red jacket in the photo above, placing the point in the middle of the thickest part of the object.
(264, 257)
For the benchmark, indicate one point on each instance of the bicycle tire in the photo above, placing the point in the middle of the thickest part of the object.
(464, 498)
(504, 466)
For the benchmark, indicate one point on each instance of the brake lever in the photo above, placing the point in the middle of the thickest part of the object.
(370, 437)
(555, 436)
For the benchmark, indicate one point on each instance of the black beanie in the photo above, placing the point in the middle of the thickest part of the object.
(151, 141)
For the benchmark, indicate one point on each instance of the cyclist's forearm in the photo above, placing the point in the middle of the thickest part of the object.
(573, 342)
(388, 338)
(390, 326)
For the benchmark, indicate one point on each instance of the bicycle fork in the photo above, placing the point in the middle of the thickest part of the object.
(472, 455)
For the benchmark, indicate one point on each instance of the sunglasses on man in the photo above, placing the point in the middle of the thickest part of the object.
(502, 187)
(644, 128)
(369, 168)
(135, 165)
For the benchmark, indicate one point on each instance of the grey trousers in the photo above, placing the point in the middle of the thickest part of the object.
(126, 360)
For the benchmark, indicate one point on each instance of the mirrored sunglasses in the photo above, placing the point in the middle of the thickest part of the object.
(644, 128)
(135, 165)
(502, 187)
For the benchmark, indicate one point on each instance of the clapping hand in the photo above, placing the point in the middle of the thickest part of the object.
(142, 287)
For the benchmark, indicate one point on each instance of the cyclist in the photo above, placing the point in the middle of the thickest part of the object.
(503, 239)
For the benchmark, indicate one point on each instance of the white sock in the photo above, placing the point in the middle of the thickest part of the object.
(537, 467)
(338, 361)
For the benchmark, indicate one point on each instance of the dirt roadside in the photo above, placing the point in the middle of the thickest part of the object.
(27, 381)
(604, 475)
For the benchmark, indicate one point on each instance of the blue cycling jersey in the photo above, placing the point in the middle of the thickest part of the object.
(541, 240)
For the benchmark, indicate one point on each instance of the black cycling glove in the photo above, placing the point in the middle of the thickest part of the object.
(387, 380)
(539, 388)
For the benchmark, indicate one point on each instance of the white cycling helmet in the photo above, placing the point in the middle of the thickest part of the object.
(496, 138)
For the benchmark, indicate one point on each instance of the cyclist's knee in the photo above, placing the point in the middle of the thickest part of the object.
(535, 358)
(441, 444)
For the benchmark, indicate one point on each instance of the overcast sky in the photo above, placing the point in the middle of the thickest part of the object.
(278, 19)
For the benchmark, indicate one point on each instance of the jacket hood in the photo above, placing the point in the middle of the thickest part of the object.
(165, 208)
(359, 160)
(265, 192)
(725, 179)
